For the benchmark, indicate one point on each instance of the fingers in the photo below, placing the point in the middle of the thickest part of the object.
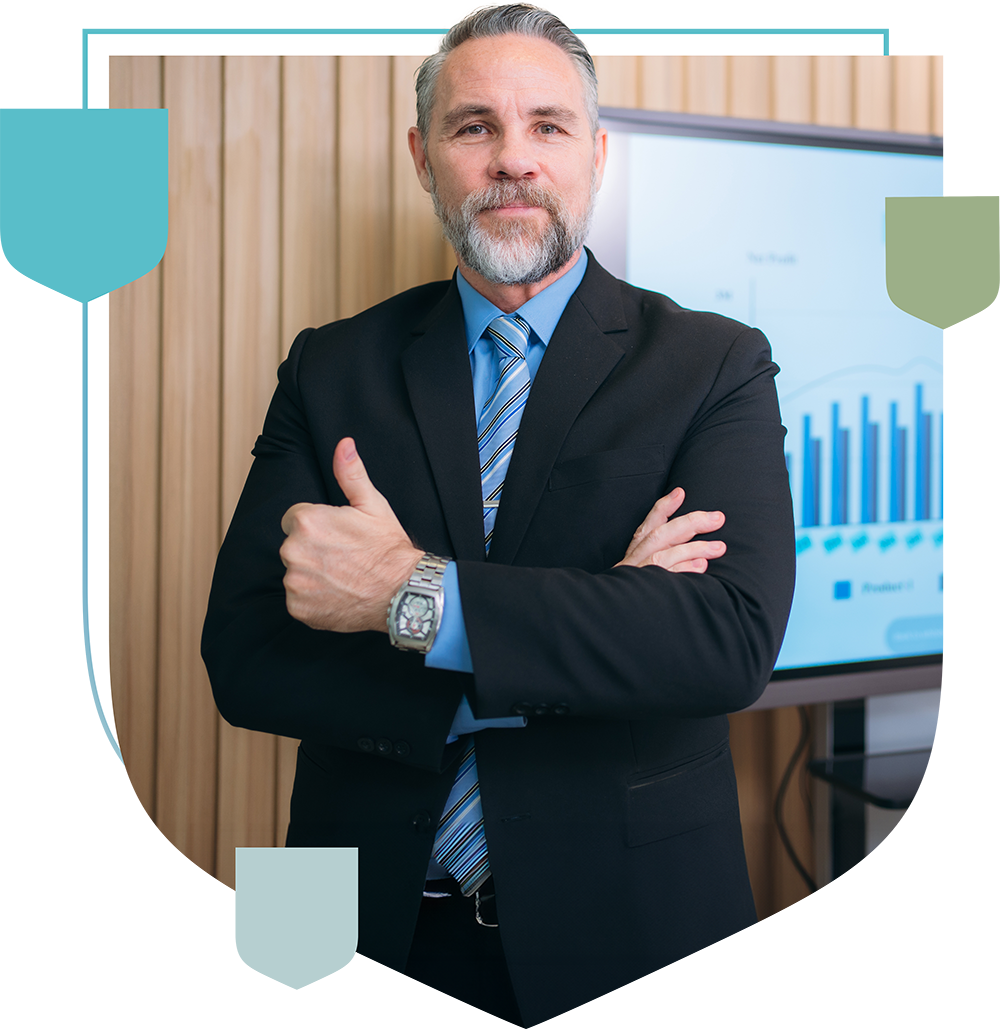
(689, 557)
(660, 512)
(291, 517)
(699, 565)
(351, 476)
(675, 532)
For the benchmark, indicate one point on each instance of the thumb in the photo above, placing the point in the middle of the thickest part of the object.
(349, 471)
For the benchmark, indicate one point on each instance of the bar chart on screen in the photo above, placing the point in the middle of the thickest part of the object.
(783, 228)
(864, 457)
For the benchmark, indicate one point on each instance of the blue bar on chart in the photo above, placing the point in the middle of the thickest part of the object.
(922, 471)
(811, 453)
(970, 465)
(878, 470)
(869, 466)
(840, 439)
(897, 466)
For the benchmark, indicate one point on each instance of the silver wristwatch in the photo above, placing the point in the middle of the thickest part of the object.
(416, 610)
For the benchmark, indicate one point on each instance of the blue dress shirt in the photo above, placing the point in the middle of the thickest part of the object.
(542, 312)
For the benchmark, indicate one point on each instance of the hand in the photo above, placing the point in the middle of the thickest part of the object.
(670, 543)
(344, 564)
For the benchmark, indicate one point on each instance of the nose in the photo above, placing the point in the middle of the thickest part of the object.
(513, 158)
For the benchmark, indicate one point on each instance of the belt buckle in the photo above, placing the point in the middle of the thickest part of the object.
(479, 919)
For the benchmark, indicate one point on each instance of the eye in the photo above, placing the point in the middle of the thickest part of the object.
(473, 130)
(548, 130)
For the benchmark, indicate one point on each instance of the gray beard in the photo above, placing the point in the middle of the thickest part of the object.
(513, 255)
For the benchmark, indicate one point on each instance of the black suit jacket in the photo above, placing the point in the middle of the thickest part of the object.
(612, 818)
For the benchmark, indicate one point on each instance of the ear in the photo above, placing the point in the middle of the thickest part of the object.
(600, 155)
(416, 144)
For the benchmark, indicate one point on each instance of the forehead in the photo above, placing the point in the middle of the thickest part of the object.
(509, 69)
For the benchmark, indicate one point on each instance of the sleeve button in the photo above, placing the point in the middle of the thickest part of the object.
(561, 709)
(383, 746)
(402, 748)
(521, 709)
(366, 744)
(541, 709)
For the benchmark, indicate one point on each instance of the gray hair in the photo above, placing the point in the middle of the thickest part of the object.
(509, 19)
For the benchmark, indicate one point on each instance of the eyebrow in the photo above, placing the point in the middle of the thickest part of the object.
(457, 115)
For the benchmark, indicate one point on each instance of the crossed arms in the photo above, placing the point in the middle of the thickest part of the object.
(344, 564)
(590, 617)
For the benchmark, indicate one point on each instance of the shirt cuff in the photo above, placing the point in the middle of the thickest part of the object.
(450, 649)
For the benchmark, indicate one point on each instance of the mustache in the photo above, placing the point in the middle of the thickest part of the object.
(501, 194)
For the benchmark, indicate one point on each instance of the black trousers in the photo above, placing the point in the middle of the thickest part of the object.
(455, 954)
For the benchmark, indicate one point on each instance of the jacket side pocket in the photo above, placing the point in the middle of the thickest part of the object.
(682, 800)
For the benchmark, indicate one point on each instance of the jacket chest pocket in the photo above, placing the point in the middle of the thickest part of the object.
(608, 464)
(683, 799)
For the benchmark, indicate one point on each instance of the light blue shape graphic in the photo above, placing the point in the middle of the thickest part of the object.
(916, 635)
(859, 541)
(85, 213)
(802, 544)
(85, 190)
(91, 186)
(296, 911)
(832, 543)
(52, 623)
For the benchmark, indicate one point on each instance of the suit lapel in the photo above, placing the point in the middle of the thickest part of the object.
(579, 357)
(439, 381)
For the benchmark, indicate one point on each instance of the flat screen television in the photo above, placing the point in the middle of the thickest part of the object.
(782, 226)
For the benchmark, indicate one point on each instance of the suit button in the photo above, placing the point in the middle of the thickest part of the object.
(541, 709)
(366, 744)
(383, 746)
(561, 709)
(521, 709)
(402, 748)
(421, 821)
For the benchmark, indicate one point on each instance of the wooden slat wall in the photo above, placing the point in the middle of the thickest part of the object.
(189, 454)
(308, 194)
(251, 350)
(293, 202)
(135, 492)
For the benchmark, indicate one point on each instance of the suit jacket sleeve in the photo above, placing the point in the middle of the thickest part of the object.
(645, 642)
(274, 674)
(551, 625)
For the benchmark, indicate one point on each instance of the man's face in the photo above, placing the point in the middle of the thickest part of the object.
(509, 159)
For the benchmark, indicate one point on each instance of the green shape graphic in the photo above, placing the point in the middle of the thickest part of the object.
(296, 911)
(942, 256)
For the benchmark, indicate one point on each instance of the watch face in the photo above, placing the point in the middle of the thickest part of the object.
(415, 616)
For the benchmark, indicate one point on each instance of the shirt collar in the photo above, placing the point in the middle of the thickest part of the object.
(542, 312)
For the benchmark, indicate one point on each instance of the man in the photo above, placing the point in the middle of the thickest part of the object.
(592, 833)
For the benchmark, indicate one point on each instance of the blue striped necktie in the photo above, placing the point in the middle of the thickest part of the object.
(460, 843)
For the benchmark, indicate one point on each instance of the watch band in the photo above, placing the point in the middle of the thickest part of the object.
(414, 615)
(429, 572)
